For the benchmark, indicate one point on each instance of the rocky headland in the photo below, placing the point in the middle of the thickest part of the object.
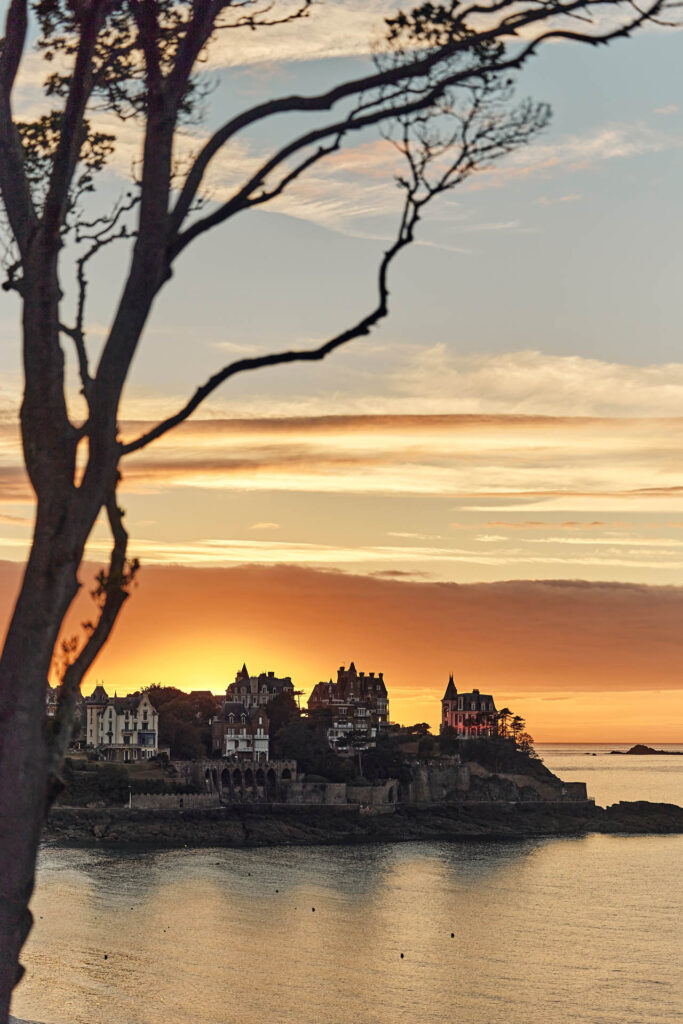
(251, 826)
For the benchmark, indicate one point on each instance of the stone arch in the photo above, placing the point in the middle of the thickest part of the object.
(271, 780)
(214, 778)
(225, 779)
(207, 781)
(390, 795)
(260, 777)
(248, 777)
(237, 777)
(286, 774)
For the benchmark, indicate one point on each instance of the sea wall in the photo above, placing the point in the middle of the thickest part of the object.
(433, 783)
(382, 794)
(328, 793)
(471, 782)
(173, 801)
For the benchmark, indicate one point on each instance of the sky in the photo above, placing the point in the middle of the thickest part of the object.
(489, 485)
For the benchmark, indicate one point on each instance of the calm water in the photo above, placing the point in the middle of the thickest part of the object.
(611, 778)
(546, 932)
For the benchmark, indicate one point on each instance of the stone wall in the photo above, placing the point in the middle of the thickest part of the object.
(380, 795)
(238, 781)
(171, 801)
(547, 790)
(246, 782)
(436, 783)
(329, 793)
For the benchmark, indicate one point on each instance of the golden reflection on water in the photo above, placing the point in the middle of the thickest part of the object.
(584, 930)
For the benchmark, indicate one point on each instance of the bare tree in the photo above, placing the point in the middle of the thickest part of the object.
(440, 89)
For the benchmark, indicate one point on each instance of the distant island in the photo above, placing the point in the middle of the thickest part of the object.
(641, 748)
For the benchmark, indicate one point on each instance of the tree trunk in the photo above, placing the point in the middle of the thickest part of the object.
(47, 591)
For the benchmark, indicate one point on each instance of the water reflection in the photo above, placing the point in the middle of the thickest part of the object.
(553, 930)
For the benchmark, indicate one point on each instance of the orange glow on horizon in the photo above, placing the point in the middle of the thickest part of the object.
(580, 662)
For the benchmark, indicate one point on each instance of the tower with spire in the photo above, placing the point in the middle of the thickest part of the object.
(469, 714)
(255, 691)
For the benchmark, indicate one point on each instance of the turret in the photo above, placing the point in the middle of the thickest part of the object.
(451, 691)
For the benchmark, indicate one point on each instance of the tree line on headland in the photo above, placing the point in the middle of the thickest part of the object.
(185, 728)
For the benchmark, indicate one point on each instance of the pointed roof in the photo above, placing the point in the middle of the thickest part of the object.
(451, 690)
(98, 696)
(243, 673)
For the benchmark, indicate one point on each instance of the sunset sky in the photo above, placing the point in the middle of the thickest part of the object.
(490, 485)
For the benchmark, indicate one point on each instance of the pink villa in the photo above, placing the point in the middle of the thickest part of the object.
(470, 714)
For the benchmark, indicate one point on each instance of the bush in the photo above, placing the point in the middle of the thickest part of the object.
(501, 755)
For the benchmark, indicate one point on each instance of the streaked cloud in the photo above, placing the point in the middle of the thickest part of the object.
(339, 28)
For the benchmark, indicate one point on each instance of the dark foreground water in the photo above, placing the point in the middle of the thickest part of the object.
(545, 932)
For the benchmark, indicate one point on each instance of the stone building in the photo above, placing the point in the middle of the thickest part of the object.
(255, 691)
(239, 731)
(358, 705)
(122, 728)
(51, 700)
(470, 714)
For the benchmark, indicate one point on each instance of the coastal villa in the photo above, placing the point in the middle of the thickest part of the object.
(239, 731)
(469, 714)
(122, 728)
(358, 704)
(255, 691)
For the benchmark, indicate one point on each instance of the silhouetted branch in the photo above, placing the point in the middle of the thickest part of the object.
(13, 43)
(482, 136)
(14, 185)
(71, 135)
(376, 112)
(111, 592)
(400, 73)
(259, 18)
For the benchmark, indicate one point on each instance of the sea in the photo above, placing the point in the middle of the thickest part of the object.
(536, 931)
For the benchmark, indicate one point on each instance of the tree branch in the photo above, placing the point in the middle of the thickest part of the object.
(194, 40)
(112, 589)
(146, 14)
(509, 27)
(100, 233)
(425, 99)
(480, 136)
(71, 135)
(363, 327)
(13, 44)
(14, 184)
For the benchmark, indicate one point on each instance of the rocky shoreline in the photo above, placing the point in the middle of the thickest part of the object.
(250, 826)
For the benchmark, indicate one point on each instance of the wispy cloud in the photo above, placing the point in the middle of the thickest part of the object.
(670, 108)
(539, 383)
(578, 152)
(340, 28)
(571, 197)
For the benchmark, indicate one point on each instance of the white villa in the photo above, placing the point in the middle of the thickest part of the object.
(122, 728)
(238, 731)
